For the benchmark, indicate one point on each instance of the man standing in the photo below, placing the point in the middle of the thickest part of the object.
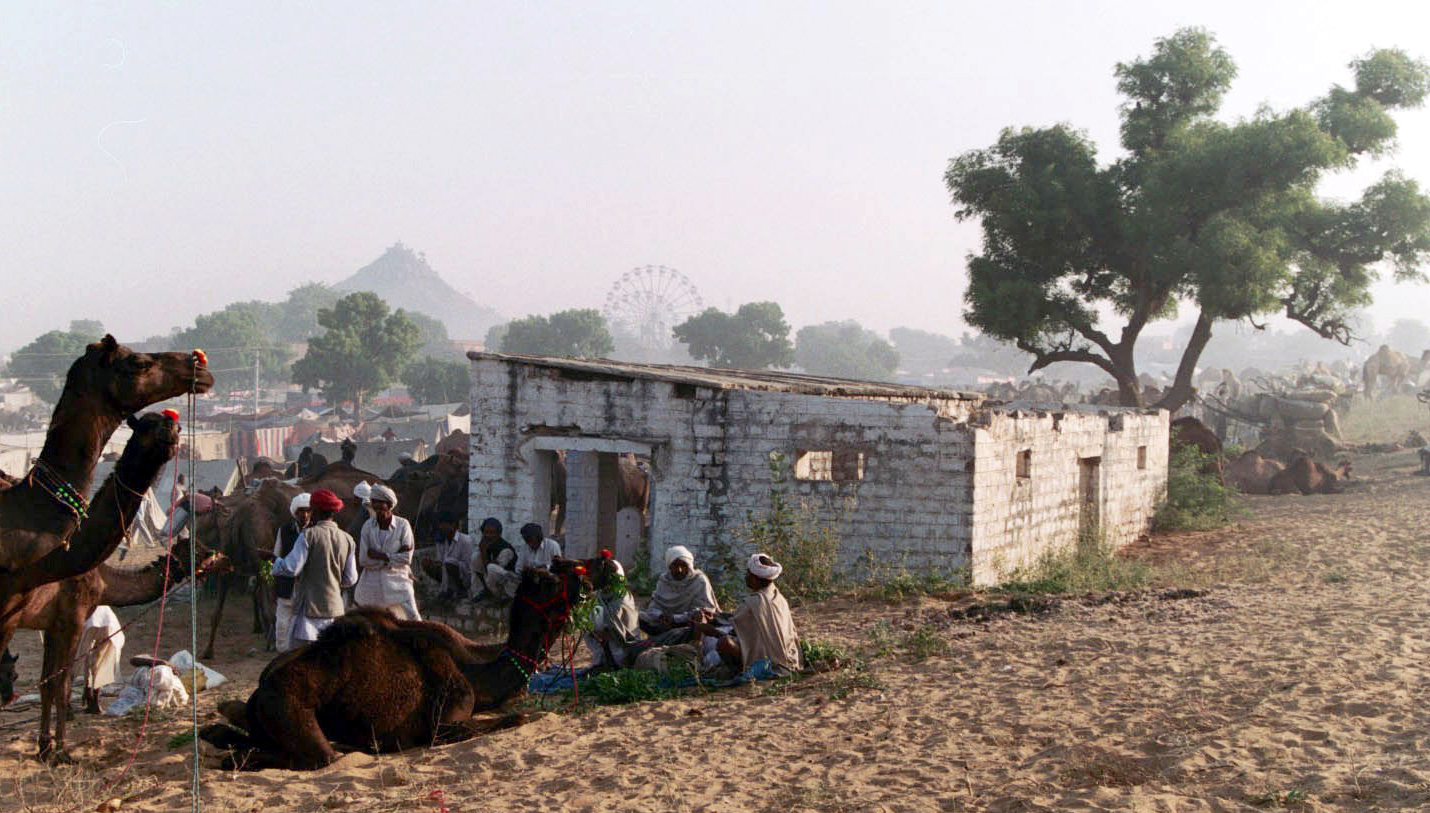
(323, 562)
(283, 585)
(385, 549)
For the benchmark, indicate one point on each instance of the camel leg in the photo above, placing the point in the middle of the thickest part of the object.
(54, 699)
(223, 583)
(257, 611)
(293, 726)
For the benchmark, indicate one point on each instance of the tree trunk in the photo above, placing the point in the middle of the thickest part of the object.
(1182, 390)
(1129, 389)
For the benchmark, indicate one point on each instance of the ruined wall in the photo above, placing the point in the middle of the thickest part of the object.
(710, 457)
(1023, 510)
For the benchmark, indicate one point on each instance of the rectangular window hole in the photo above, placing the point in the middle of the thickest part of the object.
(828, 466)
(1141, 457)
(1025, 464)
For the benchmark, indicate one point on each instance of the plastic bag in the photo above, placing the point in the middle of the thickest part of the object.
(183, 663)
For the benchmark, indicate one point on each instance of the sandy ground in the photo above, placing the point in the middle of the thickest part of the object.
(1296, 680)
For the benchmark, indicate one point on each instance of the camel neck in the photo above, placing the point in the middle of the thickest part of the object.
(127, 588)
(78, 431)
(114, 507)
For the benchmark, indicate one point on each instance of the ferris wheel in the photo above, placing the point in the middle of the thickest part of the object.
(649, 301)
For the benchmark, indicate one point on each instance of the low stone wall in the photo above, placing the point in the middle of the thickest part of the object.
(478, 620)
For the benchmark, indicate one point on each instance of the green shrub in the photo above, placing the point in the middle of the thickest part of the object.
(793, 535)
(816, 651)
(1090, 565)
(895, 584)
(1197, 500)
(623, 686)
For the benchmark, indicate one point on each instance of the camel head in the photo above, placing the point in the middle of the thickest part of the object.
(127, 381)
(7, 677)
(210, 562)
(156, 437)
(544, 602)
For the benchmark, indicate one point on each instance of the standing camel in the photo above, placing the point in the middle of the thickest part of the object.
(251, 526)
(373, 682)
(59, 609)
(103, 387)
(1396, 367)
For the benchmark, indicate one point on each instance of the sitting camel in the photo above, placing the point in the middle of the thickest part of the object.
(1251, 473)
(1304, 475)
(372, 682)
(104, 386)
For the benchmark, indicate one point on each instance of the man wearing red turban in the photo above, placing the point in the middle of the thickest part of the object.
(323, 562)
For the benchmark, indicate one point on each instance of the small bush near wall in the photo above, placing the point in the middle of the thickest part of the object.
(1197, 500)
(792, 534)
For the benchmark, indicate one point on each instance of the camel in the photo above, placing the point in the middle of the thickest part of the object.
(372, 682)
(59, 609)
(1399, 370)
(248, 526)
(1251, 473)
(103, 387)
(340, 478)
(1304, 475)
(1192, 432)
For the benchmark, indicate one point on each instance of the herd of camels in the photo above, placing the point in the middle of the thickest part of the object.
(54, 545)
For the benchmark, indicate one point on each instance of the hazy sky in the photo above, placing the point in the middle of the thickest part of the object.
(161, 160)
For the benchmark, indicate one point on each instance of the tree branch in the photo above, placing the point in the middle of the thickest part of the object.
(1042, 357)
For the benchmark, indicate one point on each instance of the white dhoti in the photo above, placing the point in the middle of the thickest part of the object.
(283, 625)
(101, 643)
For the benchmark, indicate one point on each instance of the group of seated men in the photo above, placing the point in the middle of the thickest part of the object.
(682, 612)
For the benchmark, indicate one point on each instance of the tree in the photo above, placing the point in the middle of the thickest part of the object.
(91, 330)
(436, 381)
(363, 348)
(496, 336)
(232, 338)
(755, 337)
(844, 350)
(577, 333)
(42, 364)
(432, 339)
(1410, 336)
(298, 314)
(921, 351)
(1221, 217)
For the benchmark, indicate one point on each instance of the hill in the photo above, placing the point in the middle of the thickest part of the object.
(403, 279)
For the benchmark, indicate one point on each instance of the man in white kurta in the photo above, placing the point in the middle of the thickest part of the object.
(385, 550)
(455, 551)
(101, 644)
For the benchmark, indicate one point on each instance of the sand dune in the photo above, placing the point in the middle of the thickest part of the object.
(1299, 681)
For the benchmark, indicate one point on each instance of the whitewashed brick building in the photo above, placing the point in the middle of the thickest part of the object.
(916, 476)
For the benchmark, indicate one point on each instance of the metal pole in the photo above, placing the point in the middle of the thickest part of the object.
(255, 386)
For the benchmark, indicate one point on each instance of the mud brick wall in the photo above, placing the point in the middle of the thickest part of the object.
(1020, 515)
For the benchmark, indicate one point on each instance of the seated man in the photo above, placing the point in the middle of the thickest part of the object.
(763, 626)
(681, 592)
(492, 558)
(451, 567)
(536, 552)
(614, 627)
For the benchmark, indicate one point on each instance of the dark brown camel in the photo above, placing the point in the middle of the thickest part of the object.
(340, 478)
(1305, 475)
(103, 387)
(251, 525)
(57, 593)
(372, 682)
(60, 609)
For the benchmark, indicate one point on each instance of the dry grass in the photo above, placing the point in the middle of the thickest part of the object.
(1384, 421)
(74, 787)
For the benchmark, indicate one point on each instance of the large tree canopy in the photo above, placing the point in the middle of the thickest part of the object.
(752, 338)
(844, 350)
(578, 333)
(437, 381)
(232, 338)
(361, 351)
(1220, 217)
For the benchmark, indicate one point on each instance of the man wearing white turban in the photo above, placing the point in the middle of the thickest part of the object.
(300, 508)
(614, 624)
(385, 549)
(763, 626)
(680, 594)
